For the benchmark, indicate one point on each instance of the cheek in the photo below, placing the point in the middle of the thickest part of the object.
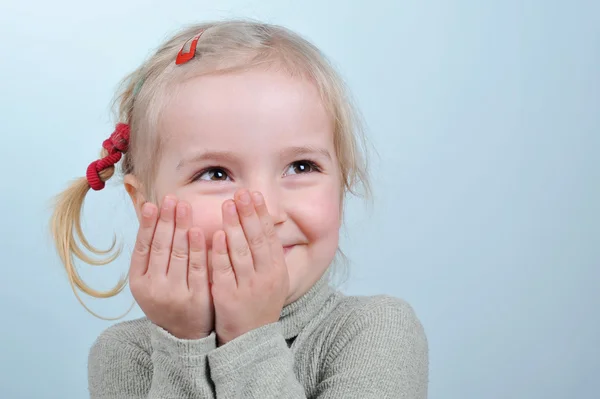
(207, 214)
(319, 216)
(206, 209)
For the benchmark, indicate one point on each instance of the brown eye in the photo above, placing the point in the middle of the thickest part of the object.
(300, 167)
(213, 174)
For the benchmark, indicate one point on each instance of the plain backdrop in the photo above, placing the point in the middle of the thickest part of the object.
(486, 120)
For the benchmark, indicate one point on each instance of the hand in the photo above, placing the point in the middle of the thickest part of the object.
(168, 274)
(250, 280)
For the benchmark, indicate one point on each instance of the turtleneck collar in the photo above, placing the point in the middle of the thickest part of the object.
(297, 314)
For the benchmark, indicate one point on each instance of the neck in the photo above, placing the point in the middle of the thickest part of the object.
(297, 314)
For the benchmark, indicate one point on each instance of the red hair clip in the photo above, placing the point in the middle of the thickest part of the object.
(185, 56)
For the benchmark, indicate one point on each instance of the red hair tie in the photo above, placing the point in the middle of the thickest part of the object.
(116, 145)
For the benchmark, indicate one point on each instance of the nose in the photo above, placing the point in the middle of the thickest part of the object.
(273, 201)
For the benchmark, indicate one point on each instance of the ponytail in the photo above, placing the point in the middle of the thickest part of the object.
(66, 229)
(65, 223)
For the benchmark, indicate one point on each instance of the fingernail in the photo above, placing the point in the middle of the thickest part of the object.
(181, 210)
(169, 203)
(245, 198)
(231, 208)
(195, 234)
(257, 197)
(147, 210)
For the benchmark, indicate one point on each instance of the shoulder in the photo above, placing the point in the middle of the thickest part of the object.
(125, 339)
(380, 311)
(119, 361)
(377, 338)
(132, 332)
(381, 322)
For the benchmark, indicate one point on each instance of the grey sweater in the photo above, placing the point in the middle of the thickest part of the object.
(325, 346)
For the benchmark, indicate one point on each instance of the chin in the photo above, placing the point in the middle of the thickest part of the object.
(303, 270)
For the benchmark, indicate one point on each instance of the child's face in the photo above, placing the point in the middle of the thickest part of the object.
(261, 131)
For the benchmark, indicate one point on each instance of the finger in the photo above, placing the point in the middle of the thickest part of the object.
(197, 271)
(141, 253)
(163, 239)
(178, 262)
(267, 225)
(239, 250)
(254, 232)
(221, 273)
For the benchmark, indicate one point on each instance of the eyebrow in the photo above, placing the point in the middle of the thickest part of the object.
(214, 156)
(305, 150)
(231, 157)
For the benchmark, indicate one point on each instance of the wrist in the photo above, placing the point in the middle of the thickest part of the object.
(165, 343)
(188, 335)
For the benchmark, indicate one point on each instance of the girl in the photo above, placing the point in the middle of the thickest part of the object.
(238, 145)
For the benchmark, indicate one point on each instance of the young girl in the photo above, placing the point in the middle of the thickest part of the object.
(238, 145)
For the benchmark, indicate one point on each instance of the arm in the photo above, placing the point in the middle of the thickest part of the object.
(168, 277)
(258, 364)
(119, 368)
(380, 352)
(250, 284)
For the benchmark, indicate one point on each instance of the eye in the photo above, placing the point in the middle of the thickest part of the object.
(299, 167)
(213, 174)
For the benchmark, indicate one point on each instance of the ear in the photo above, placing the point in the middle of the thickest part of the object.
(134, 189)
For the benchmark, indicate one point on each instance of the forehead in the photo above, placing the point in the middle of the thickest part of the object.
(250, 111)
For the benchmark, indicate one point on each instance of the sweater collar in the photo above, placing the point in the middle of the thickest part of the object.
(296, 315)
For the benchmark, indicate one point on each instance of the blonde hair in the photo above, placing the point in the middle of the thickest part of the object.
(224, 47)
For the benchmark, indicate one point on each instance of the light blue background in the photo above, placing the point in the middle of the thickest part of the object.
(486, 116)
